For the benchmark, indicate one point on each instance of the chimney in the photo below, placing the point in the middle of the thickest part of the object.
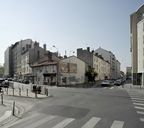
(44, 46)
(88, 49)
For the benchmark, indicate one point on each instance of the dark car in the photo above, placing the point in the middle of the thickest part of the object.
(5, 84)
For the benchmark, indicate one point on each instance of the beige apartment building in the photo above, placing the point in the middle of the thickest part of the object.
(137, 45)
(102, 67)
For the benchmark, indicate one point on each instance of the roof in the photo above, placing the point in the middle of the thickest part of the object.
(44, 64)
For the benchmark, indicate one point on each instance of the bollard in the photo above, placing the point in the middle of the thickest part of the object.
(13, 91)
(13, 109)
(36, 94)
(46, 92)
(2, 98)
(7, 91)
(27, 92)
(19, 91)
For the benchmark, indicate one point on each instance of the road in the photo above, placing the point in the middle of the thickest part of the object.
(110, 107)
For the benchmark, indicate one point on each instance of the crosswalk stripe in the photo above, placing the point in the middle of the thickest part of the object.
(117, 124)
(137, 101)
(142, 119)
(142, 108)
(137, 98)
(138, 104)
(111, 87)
(40, 122)
(22, 120)
(64, 123)
(140, 112)
(92, 122)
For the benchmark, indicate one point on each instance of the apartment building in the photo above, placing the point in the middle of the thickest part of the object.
(114, 63)
(102, 67)
(20, 56)
(137, 45)
(96, 61)
(7, 62)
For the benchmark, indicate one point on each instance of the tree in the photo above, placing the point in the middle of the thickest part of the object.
(91, 74)
(1, 71)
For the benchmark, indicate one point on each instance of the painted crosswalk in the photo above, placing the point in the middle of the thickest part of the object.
(138, 102)
(39, 120)
(91, 123)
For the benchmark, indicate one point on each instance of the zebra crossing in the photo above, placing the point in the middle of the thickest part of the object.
(138, 102)
(40, 120)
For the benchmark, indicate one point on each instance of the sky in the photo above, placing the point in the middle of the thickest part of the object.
(69, 24)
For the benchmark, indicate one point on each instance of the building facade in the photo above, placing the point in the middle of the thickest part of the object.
(137, 45)
(71, 71)
(110, 57)
(102, 67)
(45, 73)
(7, 63)
(96, 61)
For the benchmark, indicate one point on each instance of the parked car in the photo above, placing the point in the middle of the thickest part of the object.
(118, 82)
(5, 84)
(106, 83)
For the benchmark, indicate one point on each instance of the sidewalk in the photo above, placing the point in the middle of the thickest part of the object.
(6, 112)
(136, 88)
(26, 93)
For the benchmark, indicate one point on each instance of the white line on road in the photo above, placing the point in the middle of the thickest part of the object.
(137, 101)
(142, 108)
(139, 104)
(137, 98)
(117, 124)
(140, 112)
(111, 87)
(64, 123)
(22, 120)
(40, 122)
(6, 115)
(92, 122)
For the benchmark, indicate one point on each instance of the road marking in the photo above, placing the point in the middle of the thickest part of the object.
(40, 122)
(139, 104)
(142, 119)
(117, 124)
(137, 99)
(22, 120)
(140, 112)
(64, 123)
(142, 108)
(6, 115)
(92, 122)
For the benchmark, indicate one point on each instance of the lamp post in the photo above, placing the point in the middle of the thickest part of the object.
(57, 77)
(56, 49)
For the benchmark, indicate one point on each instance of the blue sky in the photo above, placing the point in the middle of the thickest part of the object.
(69, 24)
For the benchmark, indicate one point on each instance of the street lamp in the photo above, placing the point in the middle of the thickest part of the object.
(56, 49)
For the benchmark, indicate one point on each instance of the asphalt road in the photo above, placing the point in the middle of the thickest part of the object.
(84, 108)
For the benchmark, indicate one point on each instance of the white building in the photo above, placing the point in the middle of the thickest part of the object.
(140, 41)
(71, 71)
(137, 45)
